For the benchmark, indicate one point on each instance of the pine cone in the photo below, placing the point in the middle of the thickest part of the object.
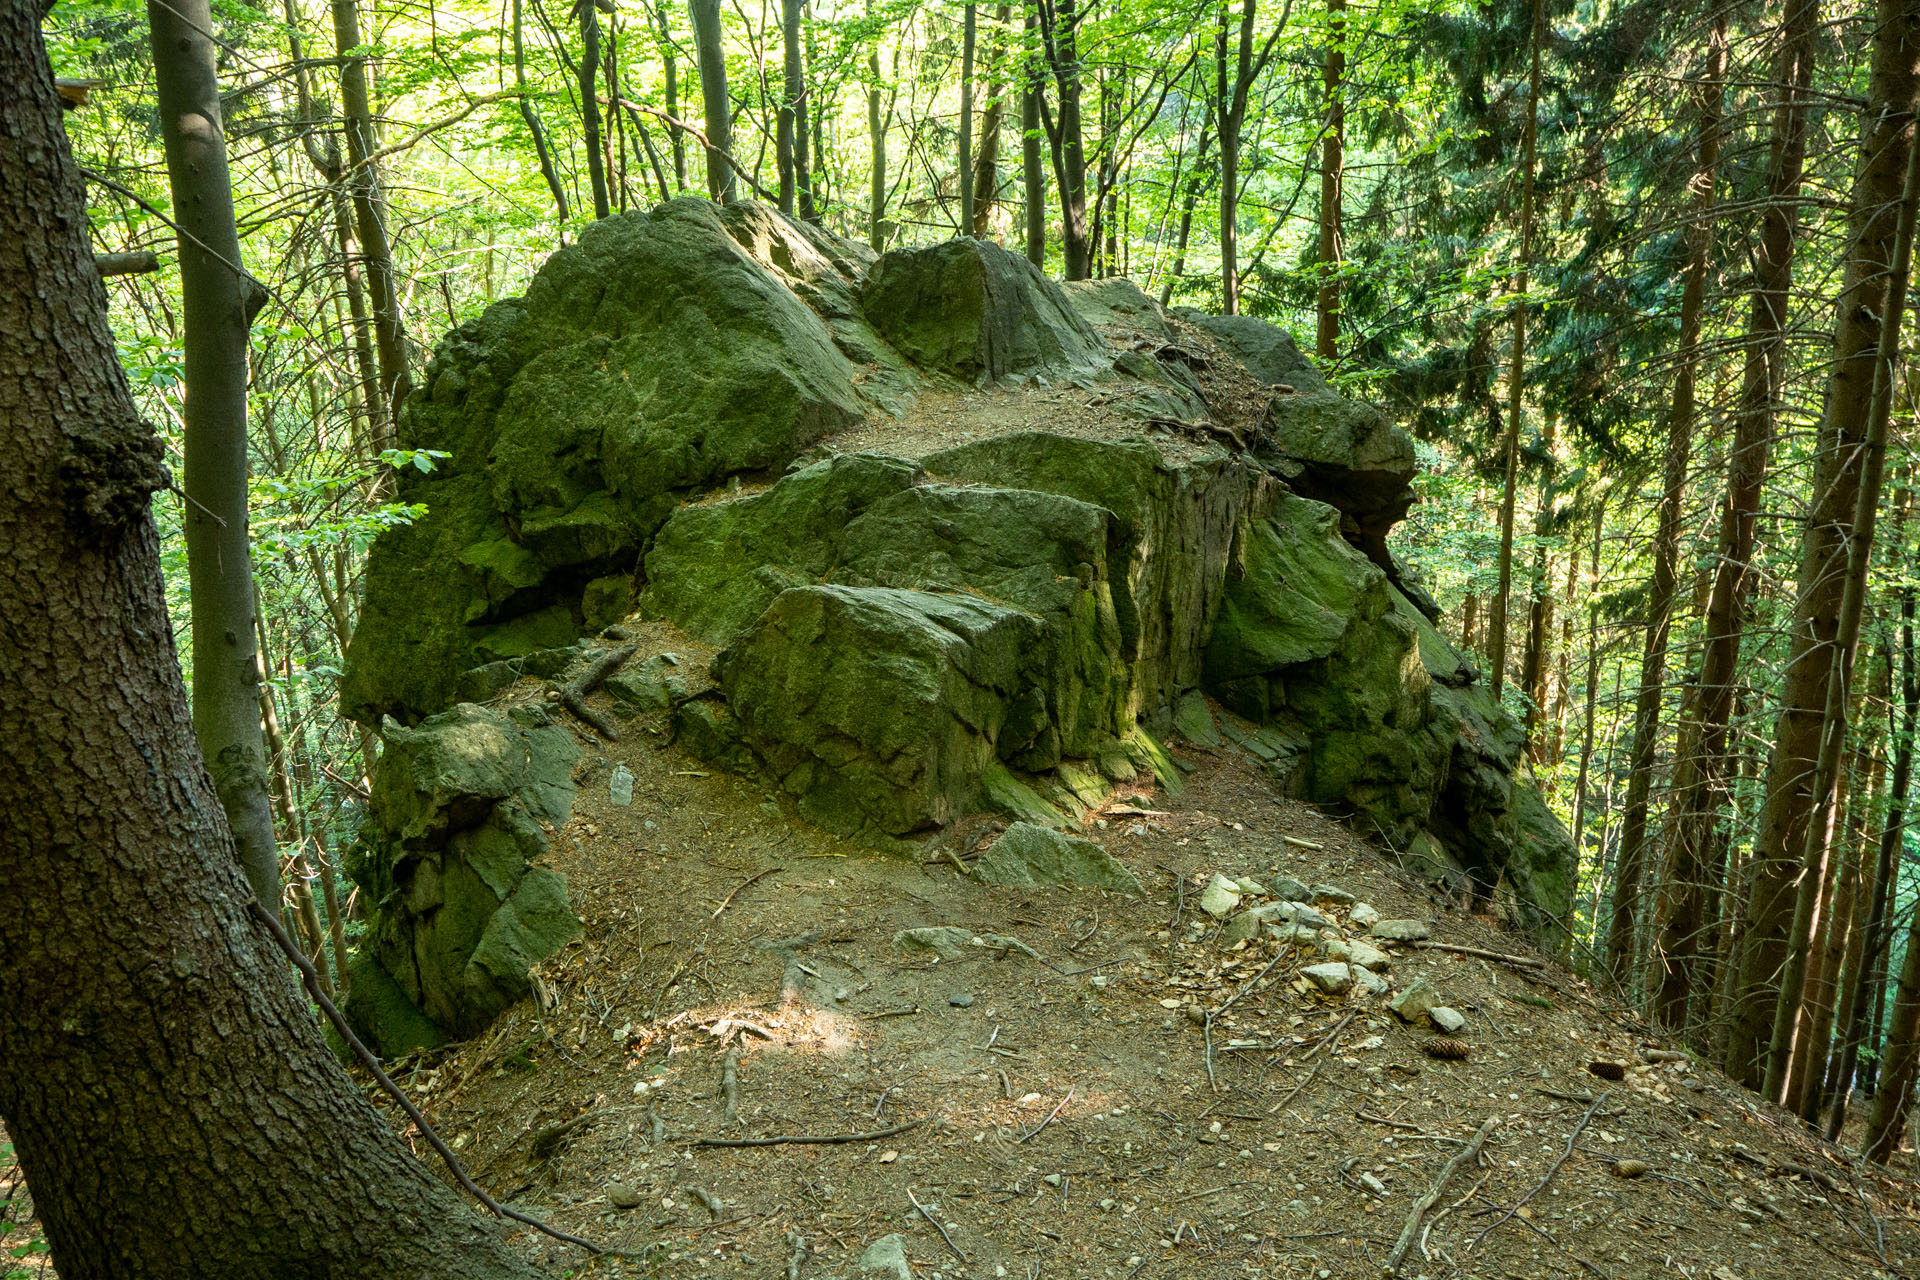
(1607, 1070)
(1444, 1047)
(1630, 1168)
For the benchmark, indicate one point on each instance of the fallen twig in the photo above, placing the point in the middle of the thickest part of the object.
(1466, 1156)
(936, 1226)
(573, 694)
(1522, 962)
(730, 1084)
(809, 1139)
(1050, 1115)
(728, 900)
(372, 1064)
(1552, 1169)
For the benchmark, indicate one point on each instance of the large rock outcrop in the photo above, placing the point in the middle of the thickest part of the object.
(1005, 618)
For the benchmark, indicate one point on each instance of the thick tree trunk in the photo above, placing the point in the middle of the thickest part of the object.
(219, 299)
(363, 181)
(963, 170)
(1701, 766)
(1772, 967)
(717, 107)
(1333, 141)
(174, 1107)
(1622, 942)
(1516, 374)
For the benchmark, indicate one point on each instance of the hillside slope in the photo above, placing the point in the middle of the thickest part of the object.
(1067, 1115)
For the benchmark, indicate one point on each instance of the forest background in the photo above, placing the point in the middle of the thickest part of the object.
(1618, 267)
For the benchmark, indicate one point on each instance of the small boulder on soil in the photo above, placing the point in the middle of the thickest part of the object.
(1029, 856)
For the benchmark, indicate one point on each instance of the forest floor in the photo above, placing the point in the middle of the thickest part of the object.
(1066, 1111)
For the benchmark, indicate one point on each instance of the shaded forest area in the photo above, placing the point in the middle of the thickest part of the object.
(1635, 276)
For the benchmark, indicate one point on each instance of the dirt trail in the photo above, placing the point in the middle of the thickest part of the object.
(1067, 1116)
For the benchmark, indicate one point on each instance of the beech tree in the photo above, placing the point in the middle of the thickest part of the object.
(163, 1080)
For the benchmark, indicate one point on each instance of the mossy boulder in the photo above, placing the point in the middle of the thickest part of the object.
(716, 566)
(880, 708)
(1028, 856)
(1117, 303)
(971, 309)
(650, 360)
(462, 809)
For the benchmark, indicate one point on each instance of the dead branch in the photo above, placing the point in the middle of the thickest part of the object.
(1465, 1157)
(730, 1084)
(1552, 1169)
(936, 1226)
(573, 694)
(1521, 962)
(797, 1139)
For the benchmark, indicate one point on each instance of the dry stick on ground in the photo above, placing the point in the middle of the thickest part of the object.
(1466, 1156)
(1330, 1038)
(372, 1064)
(728, 900)
(1035, 1131)
(1552, 1169)
(1232, 1000)
(798, 1139)
(573, 694)
(730, 1084)
(936, 1226)
(1523, 962)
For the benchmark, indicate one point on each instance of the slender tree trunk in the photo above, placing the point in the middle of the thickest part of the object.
(1333, 137)
(671, 69)
(1196, 183)
(1871, 975)
(1593, 678)
(527, 114)
(363, 181)
(174, 1108)
(789, 141)
(219, 299)
(289, 814)
(986, 164)
(589, 17)
(1773, 966)
(1534, 658)
(718, 108)
(963, 170)
(1701, 766)
(877, 139)
(1059, 20)
(1516, 372)
(1032, 172)
(1845, 946)
(1622, 942)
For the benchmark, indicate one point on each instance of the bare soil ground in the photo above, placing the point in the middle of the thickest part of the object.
(1063, 1114)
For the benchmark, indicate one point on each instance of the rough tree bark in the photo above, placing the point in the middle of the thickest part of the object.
(796, 181)
(717, 107)
(1622, 942)
(1686, 978)
(219, 299)
(1059, 21)
(173, 1105)
(1767, 978)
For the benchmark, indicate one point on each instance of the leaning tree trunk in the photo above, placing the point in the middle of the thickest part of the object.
(363, 180)
(718, 108)
(219, 300)
(172, 1102)
(1700, 768)
(1772, 963)
(1703, 182)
